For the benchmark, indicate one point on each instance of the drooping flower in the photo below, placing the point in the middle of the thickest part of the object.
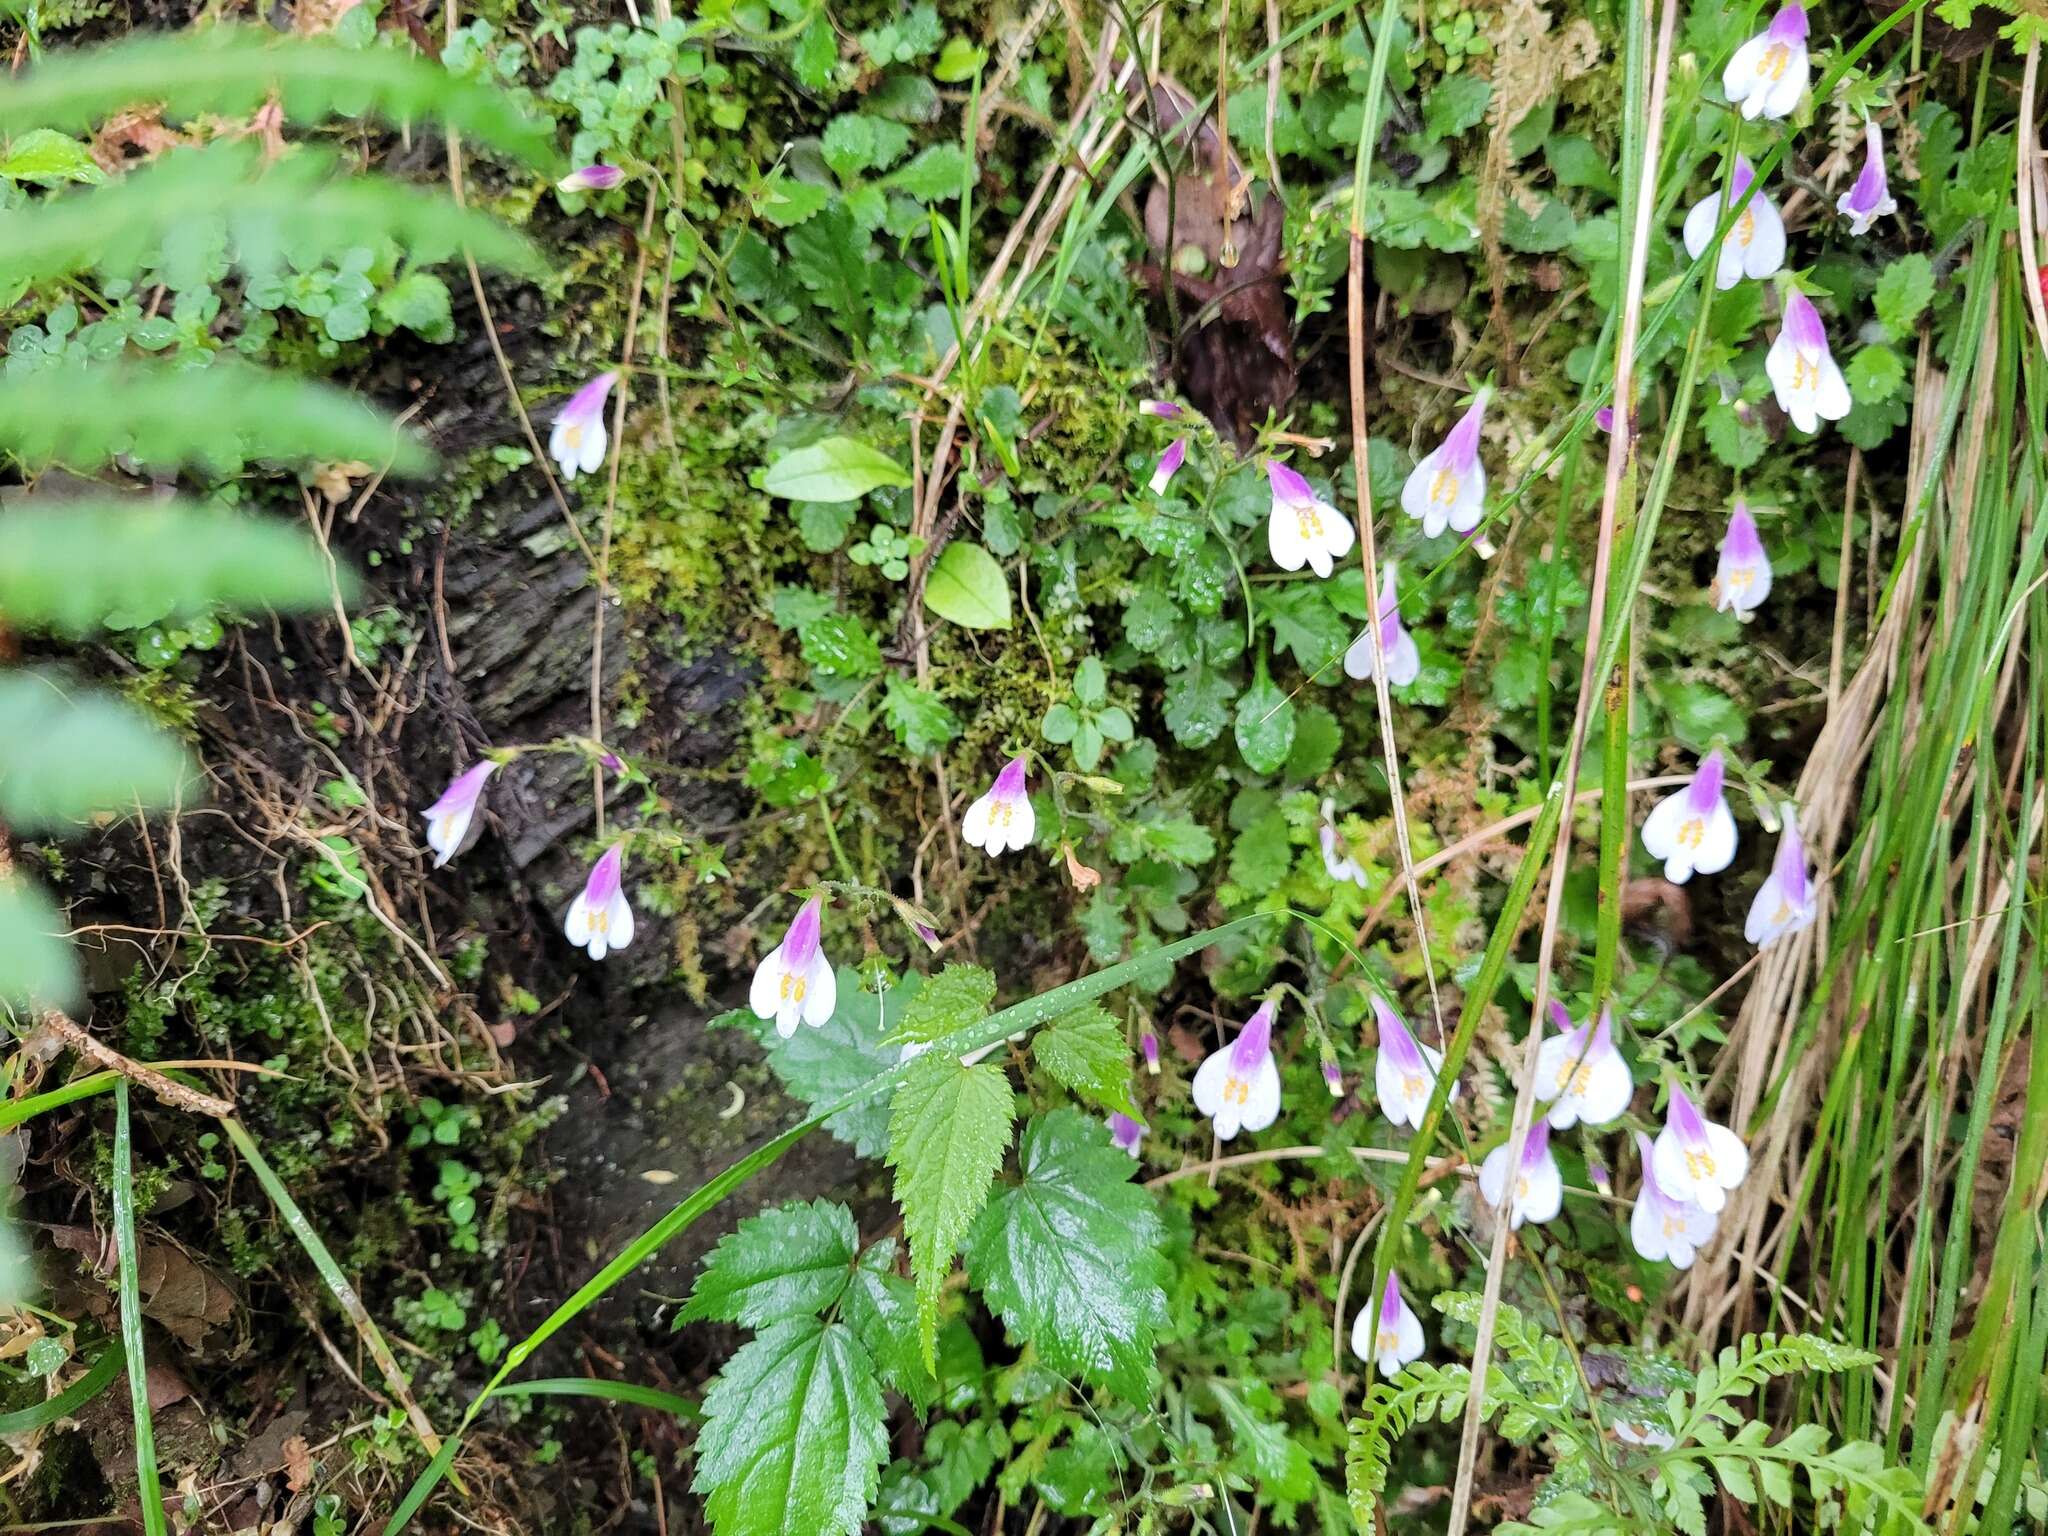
(1333, 1079)
(1663, 1227)
(448, 818)
(1584, 1070)
(591, 178)
(1336, 857)
(1392, 1339)
(578, 442)
(1742, 580)
(1238, 1087)
(1810, 388)
(1126, 1132)
(1604, 418)
(1785, 902)
(1148, 1044)
(1169, 464)
(599, 918)
(1001, 819)
(1165, 410)
(1303, 529)
(1447, 489)
(1693, 829)
(1869, 198)
(1538, 1191)
(1694, 1158)
(1768, 74)
(1755, 244)
(794, 980)
(1404, 662)
(1404, 1076)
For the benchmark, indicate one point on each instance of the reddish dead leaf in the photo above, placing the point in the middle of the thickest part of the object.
(298, 1464)
(1084, 878)
(139, 134)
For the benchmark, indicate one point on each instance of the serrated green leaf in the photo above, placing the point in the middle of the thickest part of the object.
(834, 469)
(1875, 374)
(44, 156)
(967, 586)
(790, 1262)
(68, 753)
(1458, 102)
(922, 722)
(1276, 1460)
(881, 1306)
(957, 997)
(1086, 1051)
(1904, 290)
(1265, 725)
(1197, 706)
(36, 966)
(1069, 1255)
(948, 1128)
(1734, 441)
(793, 1435)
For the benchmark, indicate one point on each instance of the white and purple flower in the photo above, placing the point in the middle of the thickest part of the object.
(1124, 1132)
(1584, 1071)
(1742, 579)
(1169, 465)
(1810, 388)
(578, 441)
(599, 919)
(1333, 1077)
(1302, 528)
(1869, 198)
(1148, 1044)
(1394, 1338)
(794, 981)
(1785, 902)
(1664, 1228)
(448, 818)
(1404, 1076)
(1238, 1087)
(591, 178)
(1447, 489)
(1538, 1192)
(1768, 74)
(1404, 662)
(1165, 410)
(1337, 859)
(1694, 1158)
(1002, 819)
(1693, 831)
(1755, 244)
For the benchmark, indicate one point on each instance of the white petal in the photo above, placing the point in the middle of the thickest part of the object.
(1415, 489)
(1470, 503)
(1544, 1195)
(1338, 534)
(974, 825)
(1699, 225)
(1361, 1334)
(788, 1013)
(1408, 1344)
(599, 946)
(1208, 1085)
(445, 834)
(1023, 823)
(1357, 664)
(560, 451)
(1667, 1161)
(1739, 78)
(1731, 1157)
(576, 925)
(1262, 1108)
(1318, 556)
(1764, 923)
(1404, 661)
(1831, 397)
(593, 445)
(1660, 827)
(1784, 94)
(1716, 850)
(618, 922)
(1766, 249)
(821, 991)
(1284, 541)
(764, 993)
(1609, 1092)
(1493, 1174)
(1646, 1229)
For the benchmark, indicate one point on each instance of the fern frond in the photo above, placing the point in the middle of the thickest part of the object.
(301, 210)
(1422, 1391)
(175, 559)
(1544, 1365)
(231, 71)
(223, 415)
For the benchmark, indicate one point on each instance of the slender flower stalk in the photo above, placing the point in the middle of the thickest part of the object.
(1785, 902)
(794, 981)
(1755, 245)
(578, 441)
(1769, 73)
(1447, 489)
(1696, 1159)
(1538, 1192)
(1663, 1227)
(1584, 1070)
(1809, 387)
(1404, 1076)
(599, 919)
(1693, 830)
(1002, 819)
(1337, 859)
(1394, 1338)
(448, 818)
(1303, 529)
(1742, 579)
(1404, 662)
(1125, 1132)
(591, 178)
(1238, 1087)
(1169, 465)
(1869, 198)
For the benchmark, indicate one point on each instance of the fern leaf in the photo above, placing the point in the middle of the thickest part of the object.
(301, 210)
(1422, 1391)
(176, 559)
(224, 416)
(230, 71)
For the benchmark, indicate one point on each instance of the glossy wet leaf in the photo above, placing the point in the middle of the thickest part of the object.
(790, 1262)
(882, 1307)
(967, 586)
(1086, 1051)
(835, 469)
(955, 998)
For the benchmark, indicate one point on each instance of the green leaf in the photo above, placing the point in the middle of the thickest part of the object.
(1178, 841)
(1703, 716)
(793, 1435)
(791, 1262)
(823, 525)
(1550, 228)
(882, 1307)
(1734, 441)
(1069, 1255)
(419, 302)
(1275, 1459)
(959, 996)
(966, 585)
(922, 722)
(1904, 290)
(75, 566)
(958, 61)
(823, 1065)
(67, 753)
(1875, 374)
(835, 469)
(44, 156)
(1317, 740)
(1086, 1051)
(933, 174)
(838, 646)
(948, 1128)
(1457, 103)
(36, 968)
(1197, 706)
(1577, 162)
(1265, 725)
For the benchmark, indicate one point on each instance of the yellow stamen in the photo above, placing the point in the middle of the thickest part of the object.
(1805, 375)
(1443, 488)
(1673, 1225)
(1774, 61)
(1411, 1086)
(573, 437)
(792, 987)
(1692, 834)
(1236, 1091)
(1745, 228)
(1700, 1165)
(1310, 524)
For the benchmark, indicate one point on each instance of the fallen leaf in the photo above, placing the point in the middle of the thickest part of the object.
(298, 1464)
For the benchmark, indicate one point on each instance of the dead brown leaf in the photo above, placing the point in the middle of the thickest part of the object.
(183, 1296)
(298, 1464)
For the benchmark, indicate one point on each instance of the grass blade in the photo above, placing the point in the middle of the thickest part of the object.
(74, 1397)
(148, 1484)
